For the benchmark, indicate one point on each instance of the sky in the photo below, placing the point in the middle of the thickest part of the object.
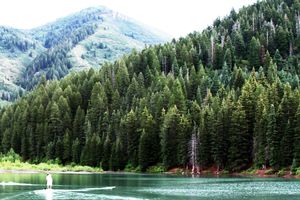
(174, 17)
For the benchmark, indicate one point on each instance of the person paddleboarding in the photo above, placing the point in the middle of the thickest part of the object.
(49, 181)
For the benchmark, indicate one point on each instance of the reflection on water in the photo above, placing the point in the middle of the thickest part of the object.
(49, 194)
(134, 187)
(79, 194)
(14, 184)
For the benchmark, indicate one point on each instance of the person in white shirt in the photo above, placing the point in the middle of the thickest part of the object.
(49, 181)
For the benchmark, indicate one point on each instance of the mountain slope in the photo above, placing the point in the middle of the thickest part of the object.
(85, 39)
(226, 98)
(115, 35)
(82, 40)
(17, 49)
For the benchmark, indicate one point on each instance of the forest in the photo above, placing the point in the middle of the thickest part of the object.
(54, 62)
(232, 90)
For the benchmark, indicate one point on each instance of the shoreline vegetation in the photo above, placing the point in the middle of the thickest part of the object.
(11, 163)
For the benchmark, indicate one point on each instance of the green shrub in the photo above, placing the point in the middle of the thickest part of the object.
(129, 168)
(281, 172)
(297, 171)
(250, 171)
(156, 169)
(10, 156)
(138, 169)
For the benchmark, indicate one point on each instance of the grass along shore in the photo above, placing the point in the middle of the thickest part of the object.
(43, 167)
(12, 161)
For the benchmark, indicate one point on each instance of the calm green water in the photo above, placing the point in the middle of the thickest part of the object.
(136, 186)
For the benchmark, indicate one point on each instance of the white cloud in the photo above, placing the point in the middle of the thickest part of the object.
(177, 17)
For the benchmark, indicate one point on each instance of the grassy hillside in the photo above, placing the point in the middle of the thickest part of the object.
(115, 35)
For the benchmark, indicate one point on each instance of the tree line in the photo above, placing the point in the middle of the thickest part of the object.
(233, 89)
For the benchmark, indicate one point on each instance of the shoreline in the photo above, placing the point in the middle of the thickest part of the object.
(254, 173)
(27, 168)
(28, 171)
(257, 174)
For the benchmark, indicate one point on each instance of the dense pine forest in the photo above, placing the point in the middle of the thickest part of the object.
(227, 97)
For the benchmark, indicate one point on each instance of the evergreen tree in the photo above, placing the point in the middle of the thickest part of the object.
(6, 141)
(97, 105)
(120, 155)
(228, 59)
(169, 138)
(105, 164)
(260, 128)
(76, 151)
(149, 148)
(207, 128)
(287, 146)
(50, 151)
(237, 80)
(67, 147)
(254, 53)
(59, 151)
(273, 139)
(296, 161)
(282, 41)
(239, 44)
(184, 136)
(219, 57)
(114, 161)
(238, 156)
(130, 125)
(54, 124)
(248, 101)
(220, 137)
(78, 126)
(17, 130)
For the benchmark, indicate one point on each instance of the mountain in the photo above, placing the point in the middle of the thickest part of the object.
(82, 40)
(226, 98)
(17, 49)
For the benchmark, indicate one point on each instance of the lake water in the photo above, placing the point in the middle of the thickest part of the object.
(137, 186)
